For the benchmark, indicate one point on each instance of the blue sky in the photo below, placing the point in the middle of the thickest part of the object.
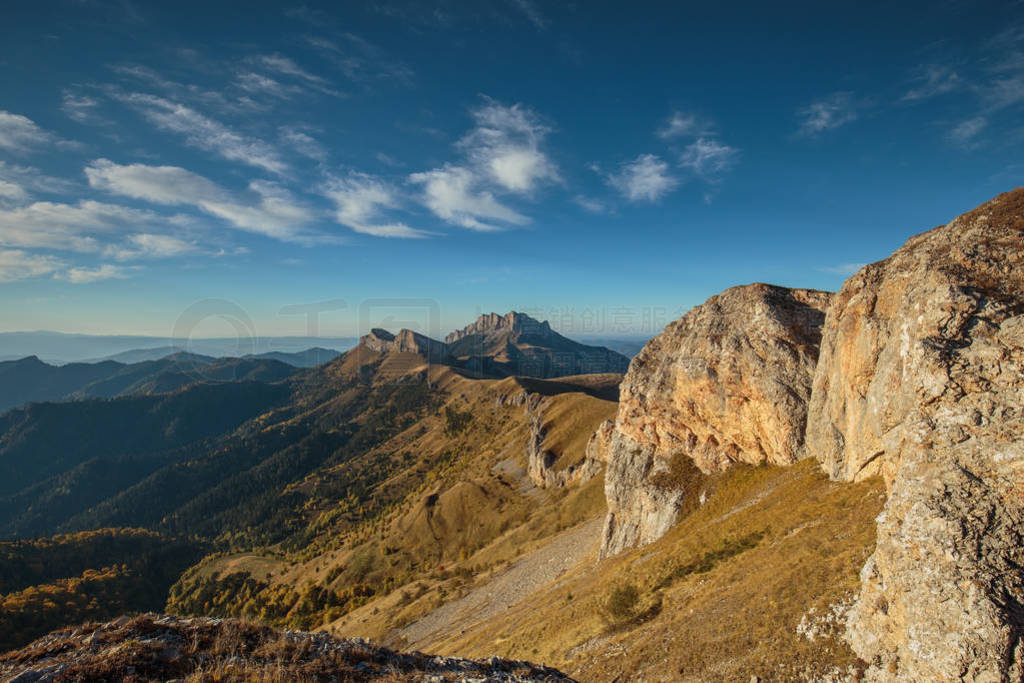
(605, 165)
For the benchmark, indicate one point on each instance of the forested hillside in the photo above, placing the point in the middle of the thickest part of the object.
(50, 582)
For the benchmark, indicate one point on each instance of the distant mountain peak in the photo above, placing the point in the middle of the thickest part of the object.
(406, 341)
(489, 323)
(502, 345)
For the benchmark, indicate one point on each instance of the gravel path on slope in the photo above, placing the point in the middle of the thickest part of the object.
(527, 574)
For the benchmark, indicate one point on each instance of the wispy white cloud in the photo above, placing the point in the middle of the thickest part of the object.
(503, 155)
(1002, 92)
(21, 134)
(206, 133)
(106, 271)
(275, 214)
(682, 124)
(505, 144)
(222, 100)
(303, 143)
(11, 192)
(646, 178)
(589, 204)
(31, 179)
(531, 12)
(709, 158)
(156, 184)
(16, 264)
(360, 198)
(286, 66)
(388, 160)
(932, 80)
(255, 83)
(80, 108)
(151, 246)
(85, 226)
(965, 133)
(828, 113)
(362, 61)
(453, 194)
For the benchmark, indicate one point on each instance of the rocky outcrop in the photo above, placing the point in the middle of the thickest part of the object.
(921, 380)
(507, 345)
(728, 382)
(639, 509)
(496, 324)
(406, 341)
(540, 462)
(153, 647)
(516, 344)
(598, 447)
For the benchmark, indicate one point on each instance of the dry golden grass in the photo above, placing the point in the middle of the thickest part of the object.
(459, 505)
(723, 592)
(569, 421)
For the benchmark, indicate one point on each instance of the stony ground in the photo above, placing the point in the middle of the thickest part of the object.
(161, 648)
(533, 572)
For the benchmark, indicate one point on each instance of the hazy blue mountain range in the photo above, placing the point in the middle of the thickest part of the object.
(31, 380)
(59, 348)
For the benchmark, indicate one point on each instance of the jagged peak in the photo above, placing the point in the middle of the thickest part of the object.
(488, 323)
(406, 340)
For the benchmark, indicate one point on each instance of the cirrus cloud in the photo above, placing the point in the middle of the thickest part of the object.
(828, 113)
(16, 264)
(81, 275)
(206, 133)
(275, 214)
(645, 178)
(359, 199)
(452, 194)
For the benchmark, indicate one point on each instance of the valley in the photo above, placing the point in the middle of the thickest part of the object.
(753, 497)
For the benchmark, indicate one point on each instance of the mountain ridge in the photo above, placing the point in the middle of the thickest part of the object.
(513, 344)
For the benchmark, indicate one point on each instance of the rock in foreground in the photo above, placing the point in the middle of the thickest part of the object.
(160, 648)
(921, 380)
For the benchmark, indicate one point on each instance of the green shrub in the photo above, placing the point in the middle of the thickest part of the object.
(622, 601)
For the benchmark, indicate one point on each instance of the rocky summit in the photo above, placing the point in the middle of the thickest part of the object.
(728, 382)
(496, 345)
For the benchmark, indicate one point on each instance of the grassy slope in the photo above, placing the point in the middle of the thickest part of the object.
(729, 612)
(456, 504)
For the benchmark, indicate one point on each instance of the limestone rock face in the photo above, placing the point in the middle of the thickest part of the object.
(921, 380)
(494, 323)
(639, 510)
(598, 447)
(728, 382)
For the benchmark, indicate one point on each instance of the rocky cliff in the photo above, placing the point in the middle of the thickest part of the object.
(921, 380)
(728, 382)
(496, 324)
